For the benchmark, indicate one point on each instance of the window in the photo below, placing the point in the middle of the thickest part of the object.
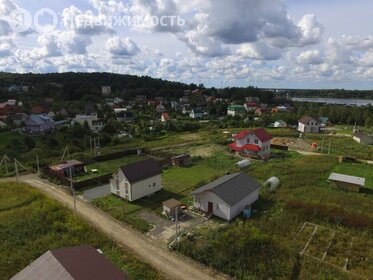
(256, 142)
(154, 184)
(217, 206)
(248, 140)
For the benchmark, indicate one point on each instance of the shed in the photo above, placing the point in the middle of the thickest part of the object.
(347, 183)
(180, 161)
(64, 168)
(273, 182)
(243, 163)
(170, 206)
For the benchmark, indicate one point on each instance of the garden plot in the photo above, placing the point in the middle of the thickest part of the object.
(333, 248)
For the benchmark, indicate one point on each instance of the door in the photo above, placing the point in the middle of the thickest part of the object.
(210, 207)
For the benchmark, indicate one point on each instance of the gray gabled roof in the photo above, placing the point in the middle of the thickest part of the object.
(231, 188)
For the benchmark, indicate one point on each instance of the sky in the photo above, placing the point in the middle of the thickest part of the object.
(220, 43)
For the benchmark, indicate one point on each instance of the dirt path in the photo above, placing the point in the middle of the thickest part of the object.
(171, 264)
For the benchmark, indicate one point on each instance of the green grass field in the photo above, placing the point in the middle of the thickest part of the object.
(184, 180)
(31, 224)
(342, 146)
(305, 194)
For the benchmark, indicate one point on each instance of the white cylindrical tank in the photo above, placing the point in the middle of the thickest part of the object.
(244, 163)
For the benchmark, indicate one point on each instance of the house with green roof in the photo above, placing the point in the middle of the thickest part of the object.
(236, 110)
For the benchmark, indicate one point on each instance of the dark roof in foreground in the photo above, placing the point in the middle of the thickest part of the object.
(231, 188)
(141, 170)
(75, 263)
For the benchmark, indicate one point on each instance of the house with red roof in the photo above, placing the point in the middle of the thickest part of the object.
(255, 143)
(7, 109)
(165, 117)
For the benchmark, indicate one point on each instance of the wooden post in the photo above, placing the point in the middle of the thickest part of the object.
(37, 164)
(16, 169)
(72, 188)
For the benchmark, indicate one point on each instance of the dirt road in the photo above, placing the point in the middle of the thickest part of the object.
(171, 264)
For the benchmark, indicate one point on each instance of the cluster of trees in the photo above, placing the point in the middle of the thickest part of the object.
(328, 93)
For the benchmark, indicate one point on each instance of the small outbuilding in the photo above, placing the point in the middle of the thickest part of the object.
(181, 161)
(170, 206)
(347, 183)
(64, 169)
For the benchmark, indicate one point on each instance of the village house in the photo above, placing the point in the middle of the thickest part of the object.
(256, 143)
(39, 109)
(196, 113)
(227, 196)
(8, 109)
(174, 105)
(181, 161)
(308, 125)
(73, 263)
(236, 110)
(186, 109)
(94, 123)
(106, 90)
(137, 180)
(251, 106)
(39, 124)
(362, 138)
(347, 183)
(280, 124)
(260, 111)
(19, 119)
(160, 108)
(324, 121)
(122, 115)
(184, 99)
(165, 117)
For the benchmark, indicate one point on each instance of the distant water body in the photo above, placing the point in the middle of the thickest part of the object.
(354, 102)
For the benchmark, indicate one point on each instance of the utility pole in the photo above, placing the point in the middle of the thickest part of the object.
(330, 144)
(90, 143)
(16, 169)
(37, 164)
(322, 144)
(177, 229)
(72, 187)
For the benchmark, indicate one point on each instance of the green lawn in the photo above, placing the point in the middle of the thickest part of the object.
(184, 180)
(342, 146)
(107, 167)
(31, 224)
(363, 170)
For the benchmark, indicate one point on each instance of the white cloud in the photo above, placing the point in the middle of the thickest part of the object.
(117, 46)
(310, 57)
(259, 51)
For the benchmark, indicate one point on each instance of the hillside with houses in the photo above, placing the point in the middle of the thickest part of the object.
(240, 183)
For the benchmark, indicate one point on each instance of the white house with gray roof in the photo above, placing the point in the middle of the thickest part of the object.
(227, 196)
